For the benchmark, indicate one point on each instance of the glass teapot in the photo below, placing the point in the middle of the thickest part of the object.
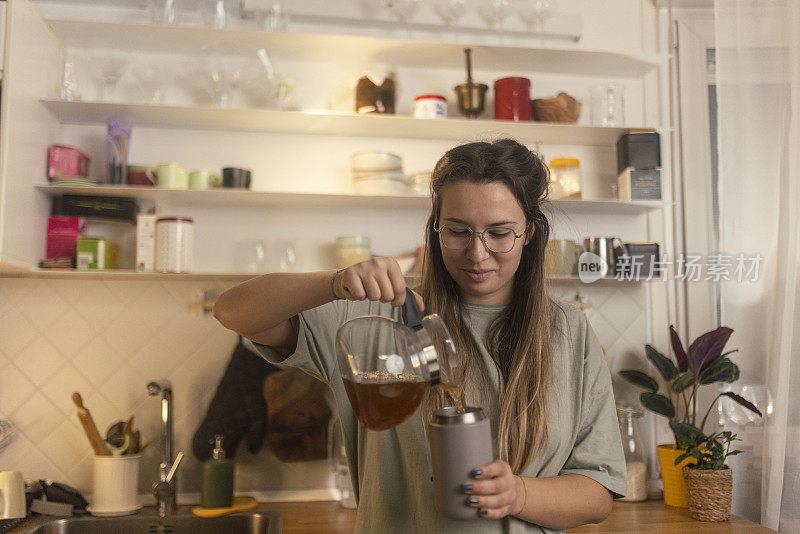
(388, 366)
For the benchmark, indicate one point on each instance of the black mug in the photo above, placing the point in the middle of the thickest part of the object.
(236, 177)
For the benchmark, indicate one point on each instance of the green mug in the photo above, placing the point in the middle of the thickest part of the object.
(203, 179)
(170, 176)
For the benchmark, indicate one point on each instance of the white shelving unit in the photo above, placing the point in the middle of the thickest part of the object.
(26, 198)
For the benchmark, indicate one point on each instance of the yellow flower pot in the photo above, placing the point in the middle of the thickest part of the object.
(672, 475)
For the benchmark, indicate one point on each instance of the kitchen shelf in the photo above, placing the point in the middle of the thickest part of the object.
(330, 123)
(350, 48)
(243, 198)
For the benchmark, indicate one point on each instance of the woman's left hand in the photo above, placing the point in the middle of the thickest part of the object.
(494, 492)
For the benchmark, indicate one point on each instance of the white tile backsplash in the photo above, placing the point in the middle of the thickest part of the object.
(107, 339)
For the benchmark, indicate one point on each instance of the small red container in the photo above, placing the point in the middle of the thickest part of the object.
(512, 99)
(66, 162)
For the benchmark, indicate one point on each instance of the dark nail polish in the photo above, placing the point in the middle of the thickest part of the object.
(475, 473)
(472, 500)
(466, 488)
(484, 512)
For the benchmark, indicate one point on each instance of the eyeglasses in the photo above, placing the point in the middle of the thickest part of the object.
(496, 238)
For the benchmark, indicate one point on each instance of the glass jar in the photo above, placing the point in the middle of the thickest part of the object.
(565, 178)
(352, 249)
(635, 463)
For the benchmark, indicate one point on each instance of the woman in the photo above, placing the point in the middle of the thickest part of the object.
(533, 364)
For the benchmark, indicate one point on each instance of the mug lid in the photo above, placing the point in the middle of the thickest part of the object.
(450, 416)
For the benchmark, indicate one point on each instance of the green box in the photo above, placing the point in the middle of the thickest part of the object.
(95, 254)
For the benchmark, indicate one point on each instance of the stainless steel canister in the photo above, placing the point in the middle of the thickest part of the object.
(459, 443)
(610, 249)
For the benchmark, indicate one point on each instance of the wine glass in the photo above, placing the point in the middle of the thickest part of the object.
(493, 12)
(107, 71)
(152, 80)
(535, 12)
(450, 11)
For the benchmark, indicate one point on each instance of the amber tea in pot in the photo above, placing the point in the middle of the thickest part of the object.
(387, 367)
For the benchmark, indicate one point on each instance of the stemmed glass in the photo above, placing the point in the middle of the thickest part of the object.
(215, 77)
(493, 12)
(152, 80)
(107, 71)
(262, 85)
(536, 12)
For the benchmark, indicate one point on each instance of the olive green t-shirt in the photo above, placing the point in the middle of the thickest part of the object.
(391, 469)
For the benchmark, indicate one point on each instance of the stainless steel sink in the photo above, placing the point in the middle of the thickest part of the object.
(241, 523)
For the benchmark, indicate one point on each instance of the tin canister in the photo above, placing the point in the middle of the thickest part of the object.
(174, 244)
(459, 443)
(430, 107)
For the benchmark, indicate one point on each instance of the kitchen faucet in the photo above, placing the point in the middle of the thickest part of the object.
(164, 488)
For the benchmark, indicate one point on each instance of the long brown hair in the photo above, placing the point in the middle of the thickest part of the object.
(519, 339)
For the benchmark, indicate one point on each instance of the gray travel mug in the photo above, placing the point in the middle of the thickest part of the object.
(459, 443)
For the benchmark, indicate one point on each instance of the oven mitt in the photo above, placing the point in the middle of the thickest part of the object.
(238, 409)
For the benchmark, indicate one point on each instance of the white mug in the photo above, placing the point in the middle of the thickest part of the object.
(12, 495)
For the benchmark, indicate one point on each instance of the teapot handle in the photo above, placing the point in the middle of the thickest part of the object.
(411, 315)
(620, 247)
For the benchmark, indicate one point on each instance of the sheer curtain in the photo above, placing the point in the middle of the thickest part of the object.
(758, 84)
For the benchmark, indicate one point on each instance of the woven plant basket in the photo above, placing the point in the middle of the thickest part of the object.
(710, 493)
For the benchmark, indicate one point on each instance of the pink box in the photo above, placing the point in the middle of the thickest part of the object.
(62, 236)
(66, 162)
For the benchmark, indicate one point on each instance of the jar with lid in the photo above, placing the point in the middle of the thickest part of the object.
(629, 418)
(352, 249)
(565, 178)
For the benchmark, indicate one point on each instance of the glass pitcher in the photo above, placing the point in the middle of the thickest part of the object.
(635, 462)
(387, 367)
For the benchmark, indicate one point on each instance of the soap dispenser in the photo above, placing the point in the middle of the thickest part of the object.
(217, 490)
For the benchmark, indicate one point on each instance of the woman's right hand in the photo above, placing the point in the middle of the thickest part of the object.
(378, 279)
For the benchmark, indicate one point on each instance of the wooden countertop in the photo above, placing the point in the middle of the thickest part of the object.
(651, 517)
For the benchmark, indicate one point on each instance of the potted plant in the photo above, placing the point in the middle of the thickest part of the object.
(709, 481)
(704, 363)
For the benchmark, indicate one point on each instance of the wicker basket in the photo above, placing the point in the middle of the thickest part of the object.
(710, 493)
(562, 108)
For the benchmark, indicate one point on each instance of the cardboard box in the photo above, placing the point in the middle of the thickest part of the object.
(96, 254)
(66, 162)
(640, 150)
(62, 236)
(639, 184)
(146, 242)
